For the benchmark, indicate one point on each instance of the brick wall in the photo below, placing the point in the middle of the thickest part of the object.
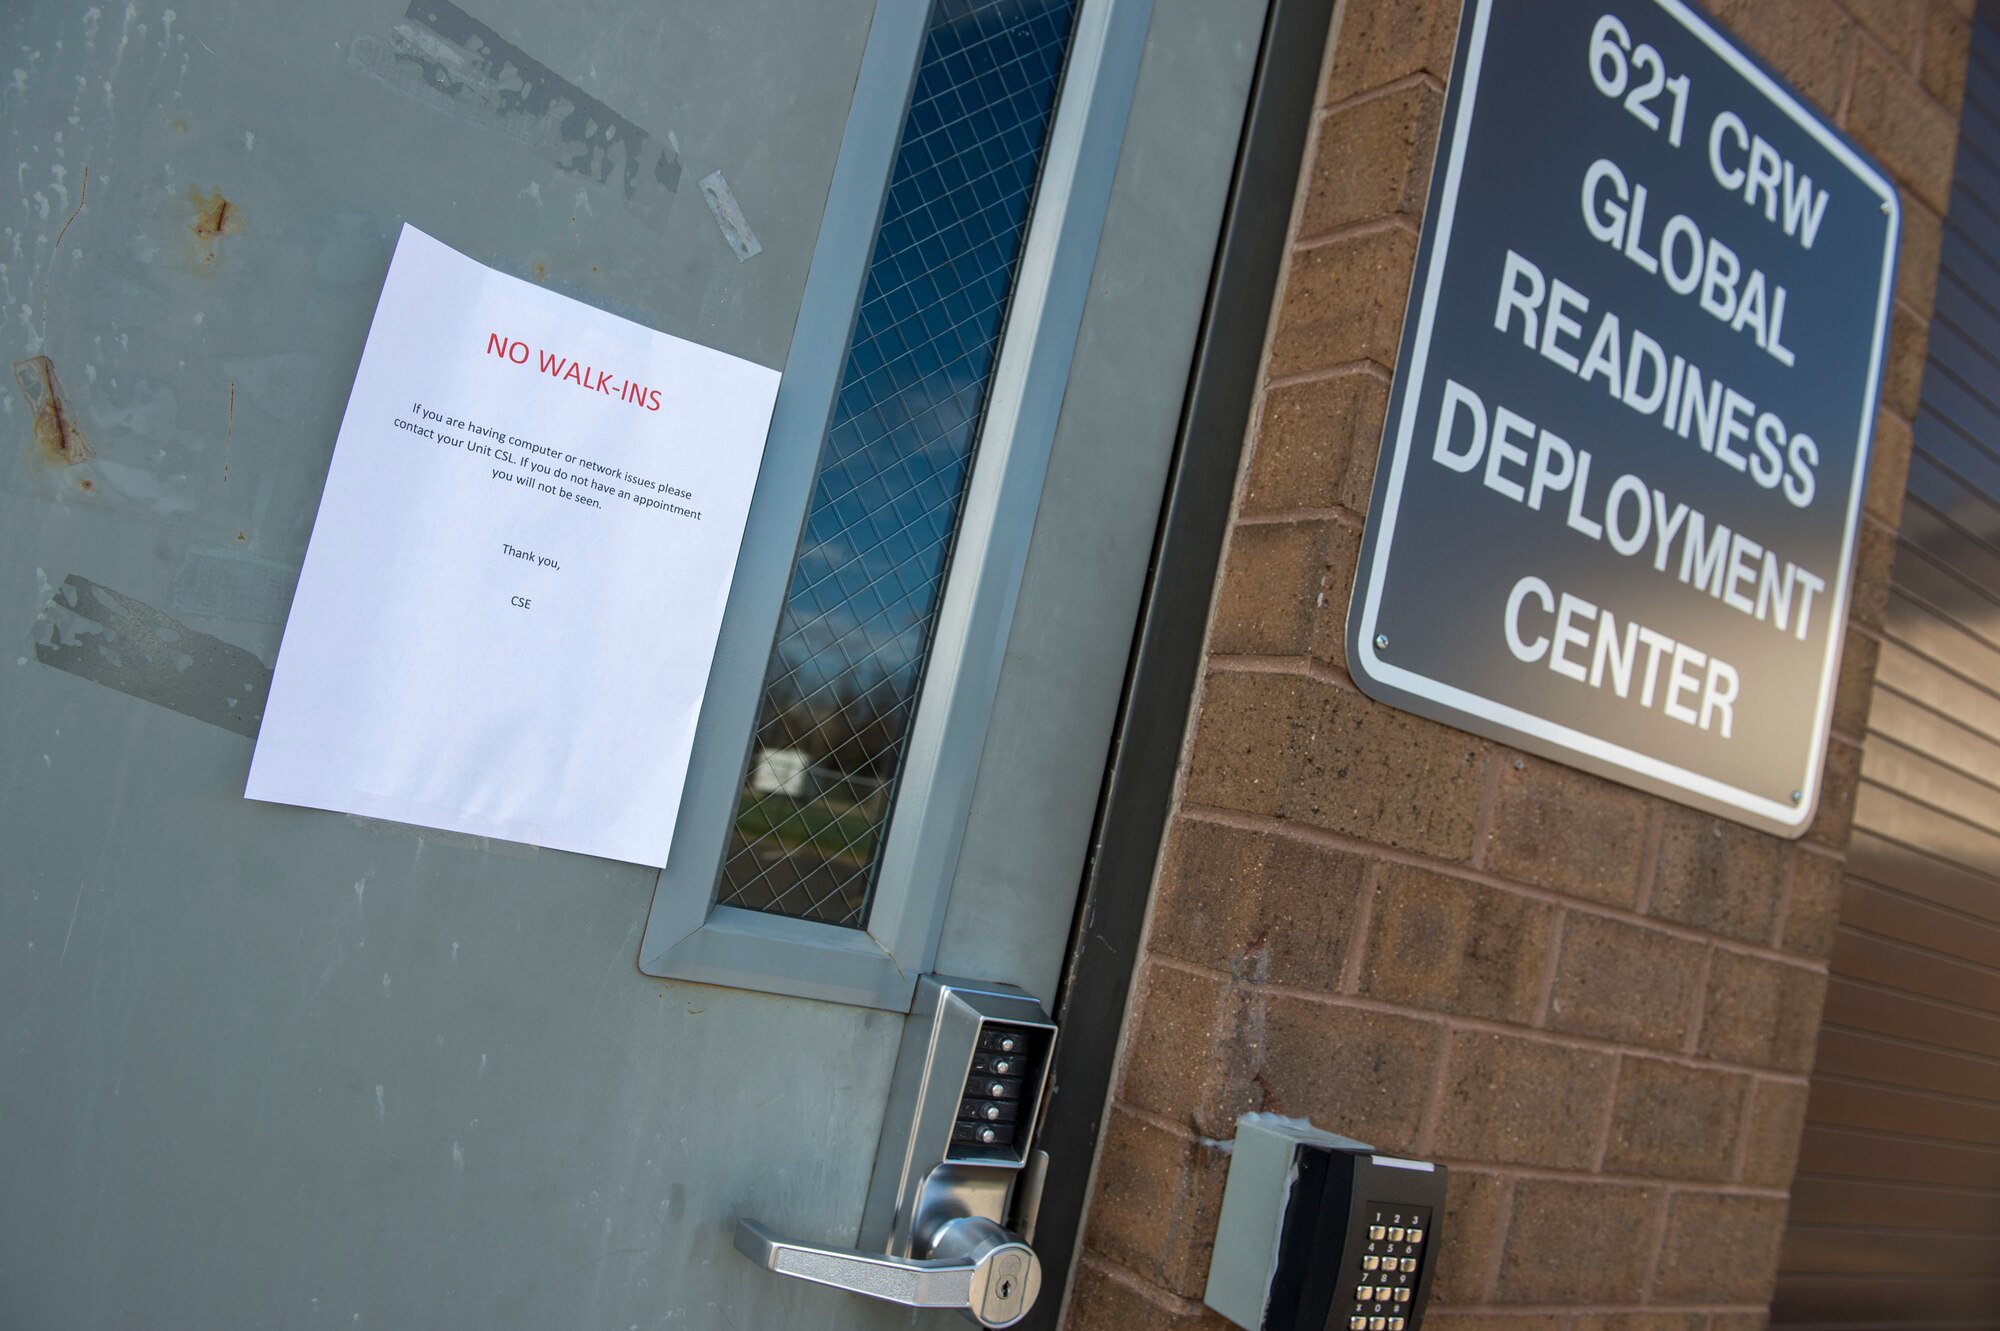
(1597, 1007)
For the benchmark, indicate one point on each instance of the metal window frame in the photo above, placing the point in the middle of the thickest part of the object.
(689, 936)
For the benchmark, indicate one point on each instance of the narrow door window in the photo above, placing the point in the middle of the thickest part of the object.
(848, 662)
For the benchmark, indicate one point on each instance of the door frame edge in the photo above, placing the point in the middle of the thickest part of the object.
(1141, 776)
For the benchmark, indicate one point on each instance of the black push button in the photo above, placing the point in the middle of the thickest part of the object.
(1003, 1040)
(982, 1134)
(989, 1111)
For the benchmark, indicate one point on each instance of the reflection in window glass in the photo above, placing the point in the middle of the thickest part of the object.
(855, 631)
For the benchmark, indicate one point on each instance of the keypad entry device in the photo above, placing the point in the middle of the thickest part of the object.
(1391, 1258)
(1363, 1245)
(951, 1204)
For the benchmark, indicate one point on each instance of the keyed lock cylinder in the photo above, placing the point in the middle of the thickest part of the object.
(951, 1206)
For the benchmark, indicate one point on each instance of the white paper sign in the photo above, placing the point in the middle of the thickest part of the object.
(510, 603)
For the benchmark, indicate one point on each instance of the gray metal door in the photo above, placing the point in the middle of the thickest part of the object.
(264, 1066)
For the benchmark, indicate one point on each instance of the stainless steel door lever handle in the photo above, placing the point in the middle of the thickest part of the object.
(957, 1182)
(979, 1268)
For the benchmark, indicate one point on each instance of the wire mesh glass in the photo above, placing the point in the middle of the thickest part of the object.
(849, 658)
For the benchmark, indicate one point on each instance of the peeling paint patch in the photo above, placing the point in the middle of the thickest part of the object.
(444, 56)
(729, 216)
(108, 638)
(214, 218)
(227, 584)
(58, 438)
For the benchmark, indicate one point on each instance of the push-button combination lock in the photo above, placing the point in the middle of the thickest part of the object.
(951, 1206)
(989, 1115)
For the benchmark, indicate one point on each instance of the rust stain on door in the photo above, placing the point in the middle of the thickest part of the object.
(58, 438)
(214, 218)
